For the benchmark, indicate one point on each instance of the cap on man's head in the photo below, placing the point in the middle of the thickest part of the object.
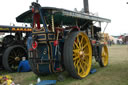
(23, 58)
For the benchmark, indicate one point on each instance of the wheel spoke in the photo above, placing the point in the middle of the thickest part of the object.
(76, 50)
(78, 68)
(81, 40)
(78, 40)
(76, 44)
(103, 54)
(103, 59)
(75, 62)
(76, 57)
(85, 63)
(85, 57)
(74, 54)
(103, 51)
(86, 54)
(85, 45)
(85, 66)
(14, 53)
(21, 54)
(77, 65)
(11, 62)
(17, 53)
(11, 57)
(78, 62)
(82, 68)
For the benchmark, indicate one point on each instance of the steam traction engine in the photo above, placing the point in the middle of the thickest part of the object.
(13, 46)
(63, 39)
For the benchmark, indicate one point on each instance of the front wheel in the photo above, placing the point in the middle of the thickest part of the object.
(78, 55)
(103, 56)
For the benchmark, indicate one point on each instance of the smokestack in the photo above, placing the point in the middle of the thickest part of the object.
(86, 7)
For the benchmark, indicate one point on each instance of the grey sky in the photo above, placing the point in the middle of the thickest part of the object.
(116, 10)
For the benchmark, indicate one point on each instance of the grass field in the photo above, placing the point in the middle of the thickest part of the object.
(116, 73)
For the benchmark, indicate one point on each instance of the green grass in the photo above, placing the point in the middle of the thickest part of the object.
(116, 73)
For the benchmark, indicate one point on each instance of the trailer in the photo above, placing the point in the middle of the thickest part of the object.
(13, 46)
(64, 40)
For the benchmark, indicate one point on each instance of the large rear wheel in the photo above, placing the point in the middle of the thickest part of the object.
(78, 55)
(12, 56)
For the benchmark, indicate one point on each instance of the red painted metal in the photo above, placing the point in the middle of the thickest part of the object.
(34, 45)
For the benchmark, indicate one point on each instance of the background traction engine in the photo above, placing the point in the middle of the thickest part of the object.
(13, 46)
(64, 40)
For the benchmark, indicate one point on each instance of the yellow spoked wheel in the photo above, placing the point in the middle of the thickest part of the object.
(78, 55)
(104, 56)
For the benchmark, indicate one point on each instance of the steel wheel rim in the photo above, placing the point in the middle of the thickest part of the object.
(82, 55)
(105, 55)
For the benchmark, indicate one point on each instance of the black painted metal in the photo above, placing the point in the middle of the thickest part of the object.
(86, 6)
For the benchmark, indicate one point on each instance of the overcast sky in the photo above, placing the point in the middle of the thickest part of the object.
(116, 10)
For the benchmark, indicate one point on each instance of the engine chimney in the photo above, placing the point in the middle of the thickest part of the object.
(86, 7)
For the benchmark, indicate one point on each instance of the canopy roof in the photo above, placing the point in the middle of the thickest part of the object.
(61, 15)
